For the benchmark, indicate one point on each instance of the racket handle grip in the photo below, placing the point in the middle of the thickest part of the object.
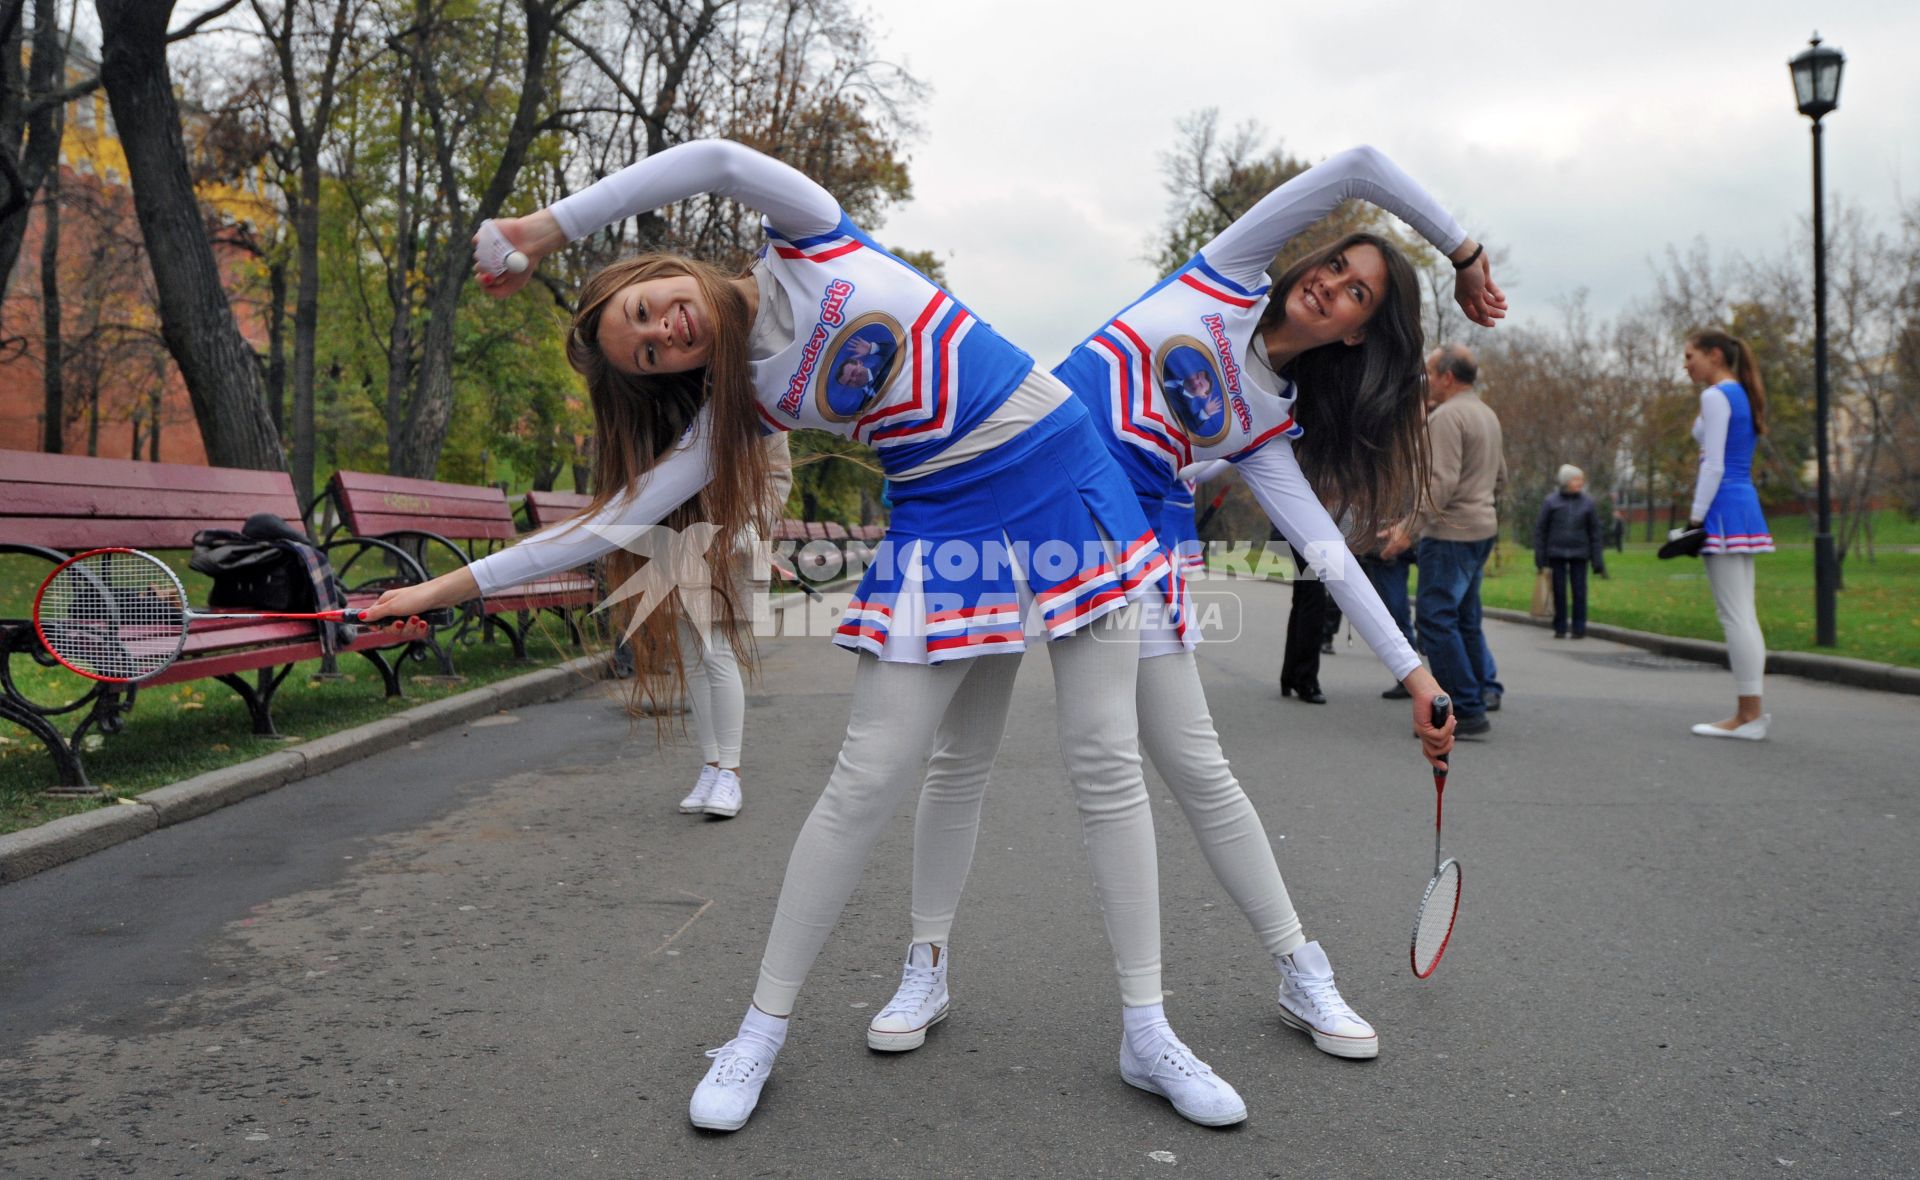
(1442, 709)
(439, 616)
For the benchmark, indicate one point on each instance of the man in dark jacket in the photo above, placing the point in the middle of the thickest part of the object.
(1566, 537)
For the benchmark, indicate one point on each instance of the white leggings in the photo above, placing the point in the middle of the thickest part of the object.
(715, 694)
(1731, 576)
(897, 714)
(1176, 731)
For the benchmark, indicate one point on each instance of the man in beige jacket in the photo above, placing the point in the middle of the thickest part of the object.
(1456, 529)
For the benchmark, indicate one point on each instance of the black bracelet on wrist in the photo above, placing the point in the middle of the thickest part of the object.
(1478, 249)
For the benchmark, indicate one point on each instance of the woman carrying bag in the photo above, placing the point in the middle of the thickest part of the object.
(1566, 538)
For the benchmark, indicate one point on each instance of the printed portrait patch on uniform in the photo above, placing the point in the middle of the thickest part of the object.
(1191, 384)
(860, 368)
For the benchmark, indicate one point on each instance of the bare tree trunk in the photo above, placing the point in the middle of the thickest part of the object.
(309, 128)
(53, 366)
(277, 346)
(431, 410)
(25, 110)
(400, 285)
(93, 418)
(196, 320)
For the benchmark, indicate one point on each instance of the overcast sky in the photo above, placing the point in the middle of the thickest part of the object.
(1583, 137)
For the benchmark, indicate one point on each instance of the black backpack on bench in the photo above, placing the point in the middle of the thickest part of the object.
(255, 568)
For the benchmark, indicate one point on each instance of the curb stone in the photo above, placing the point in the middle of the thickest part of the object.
(71, 837)
(194, 797)
(1833, 669)
(36, 849)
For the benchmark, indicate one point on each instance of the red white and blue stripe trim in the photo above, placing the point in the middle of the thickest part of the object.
(935, 339)
(953, 632)
(1094, 592)
(864, 626)
(1133, 396)
(818, 248)
(1739, 543)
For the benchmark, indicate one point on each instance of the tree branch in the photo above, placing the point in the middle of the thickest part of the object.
(193, 26)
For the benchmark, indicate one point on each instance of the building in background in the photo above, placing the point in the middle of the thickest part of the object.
(123, 395)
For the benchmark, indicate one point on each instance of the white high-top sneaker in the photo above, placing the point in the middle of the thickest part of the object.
(1310, 1002)
(725, 1098)
(696, 800)
(1170, 1069)
(724, 798)
(920, 1003)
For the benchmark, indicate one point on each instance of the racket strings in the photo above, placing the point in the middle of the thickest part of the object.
(113, 616)
(1435, 922)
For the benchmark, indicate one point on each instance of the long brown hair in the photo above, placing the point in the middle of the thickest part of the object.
(637, 419)
(1365, 446)
(1735, 354)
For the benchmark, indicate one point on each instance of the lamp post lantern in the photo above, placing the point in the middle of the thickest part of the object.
(1816, 90)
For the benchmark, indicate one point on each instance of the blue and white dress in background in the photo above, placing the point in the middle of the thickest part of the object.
(1724, 498)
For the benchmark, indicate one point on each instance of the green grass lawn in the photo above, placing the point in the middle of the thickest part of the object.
(1877, 614)
(180, 730)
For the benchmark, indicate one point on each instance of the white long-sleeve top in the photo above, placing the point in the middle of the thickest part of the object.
(1710, 431)
(1274, 477)
(1181, 375)
(833, 279)
(1244, 250)
(677, 478)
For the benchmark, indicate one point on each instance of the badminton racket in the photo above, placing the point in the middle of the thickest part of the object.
(120, 615)
(1440, 904)
(788, 575)
(1206, 518)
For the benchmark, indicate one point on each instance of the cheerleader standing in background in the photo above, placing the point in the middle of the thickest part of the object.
(1733, 415)
(716, 693)
(686, 368)
(1316, 383)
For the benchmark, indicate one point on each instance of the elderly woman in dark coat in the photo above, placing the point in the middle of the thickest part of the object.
(1566, 538)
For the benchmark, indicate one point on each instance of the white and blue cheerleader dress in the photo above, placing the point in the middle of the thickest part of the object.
(1181, 377)
(1724, 498)
(1006, 506)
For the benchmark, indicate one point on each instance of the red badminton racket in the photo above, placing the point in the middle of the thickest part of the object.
(120, 615)
(1440, 904)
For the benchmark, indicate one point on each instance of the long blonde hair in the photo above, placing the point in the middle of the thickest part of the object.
(637, 419)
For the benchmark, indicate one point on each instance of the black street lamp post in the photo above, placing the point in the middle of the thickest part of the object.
(1816, 89)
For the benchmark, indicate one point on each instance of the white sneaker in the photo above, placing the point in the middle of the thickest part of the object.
(696, 800)
(1310, 1002)
(724, 798)
(920, 1003)
(1174, 1073)
(725, 1098)
(1752, 731)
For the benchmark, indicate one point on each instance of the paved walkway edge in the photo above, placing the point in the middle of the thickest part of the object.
(1834, 669)
(56, 842)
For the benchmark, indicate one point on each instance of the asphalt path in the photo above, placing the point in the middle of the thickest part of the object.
(500, 952)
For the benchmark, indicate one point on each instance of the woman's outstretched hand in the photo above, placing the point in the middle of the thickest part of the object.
(1474, 290)
(409, 601)
(1433, 742)
(534, 237)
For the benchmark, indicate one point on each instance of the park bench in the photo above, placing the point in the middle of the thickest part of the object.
(427, 517)
(52, 506)
(544, 509)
